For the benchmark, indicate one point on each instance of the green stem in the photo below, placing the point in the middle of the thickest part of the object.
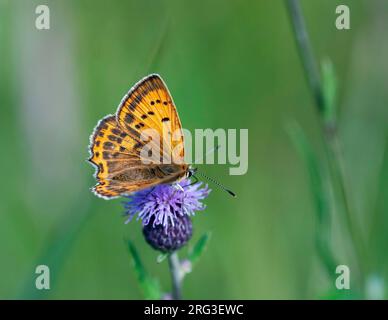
(339, 174)
(175, 270)
(331, 141)
(305, 52)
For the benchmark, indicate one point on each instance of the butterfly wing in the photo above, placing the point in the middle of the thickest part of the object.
(115, 148)
(149, 105)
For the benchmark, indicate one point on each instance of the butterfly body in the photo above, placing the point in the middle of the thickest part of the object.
(117, 142)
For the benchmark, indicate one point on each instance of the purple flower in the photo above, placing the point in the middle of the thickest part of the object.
(165, 212)
(162, 205)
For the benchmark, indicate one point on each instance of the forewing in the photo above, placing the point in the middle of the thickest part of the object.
(149, 105)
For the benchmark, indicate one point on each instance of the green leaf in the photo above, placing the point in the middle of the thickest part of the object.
(329, 87)
(150, 286)
(196, 252)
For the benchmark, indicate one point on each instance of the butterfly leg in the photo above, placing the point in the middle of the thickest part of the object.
(178, 186)
(192, 183)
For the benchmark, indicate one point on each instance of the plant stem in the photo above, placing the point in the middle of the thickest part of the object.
(175, 270)
(329, 129)
(305, 52)
(339, 174)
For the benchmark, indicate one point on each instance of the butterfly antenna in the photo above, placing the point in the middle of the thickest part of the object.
(217, 183)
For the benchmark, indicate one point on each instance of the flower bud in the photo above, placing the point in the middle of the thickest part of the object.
(170, 238)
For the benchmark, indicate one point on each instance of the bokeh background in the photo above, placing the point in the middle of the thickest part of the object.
(228, 64)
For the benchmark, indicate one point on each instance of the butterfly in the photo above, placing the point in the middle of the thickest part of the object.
(117, 142)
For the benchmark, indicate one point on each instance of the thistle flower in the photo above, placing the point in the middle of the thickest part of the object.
(165, 212)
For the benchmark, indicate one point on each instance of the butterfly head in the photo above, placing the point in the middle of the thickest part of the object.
(191, 171)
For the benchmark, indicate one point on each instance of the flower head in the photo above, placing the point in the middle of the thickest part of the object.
(164, 203)
(165, 212)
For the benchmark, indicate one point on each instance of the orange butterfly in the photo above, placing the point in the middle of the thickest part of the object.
(117, 142)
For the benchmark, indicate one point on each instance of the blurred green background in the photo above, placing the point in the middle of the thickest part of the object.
(228, 64)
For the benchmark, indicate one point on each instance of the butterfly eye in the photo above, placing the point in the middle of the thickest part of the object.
(191, 172)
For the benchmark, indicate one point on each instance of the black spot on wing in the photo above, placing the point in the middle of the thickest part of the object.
(129, 118)
(108, 145)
